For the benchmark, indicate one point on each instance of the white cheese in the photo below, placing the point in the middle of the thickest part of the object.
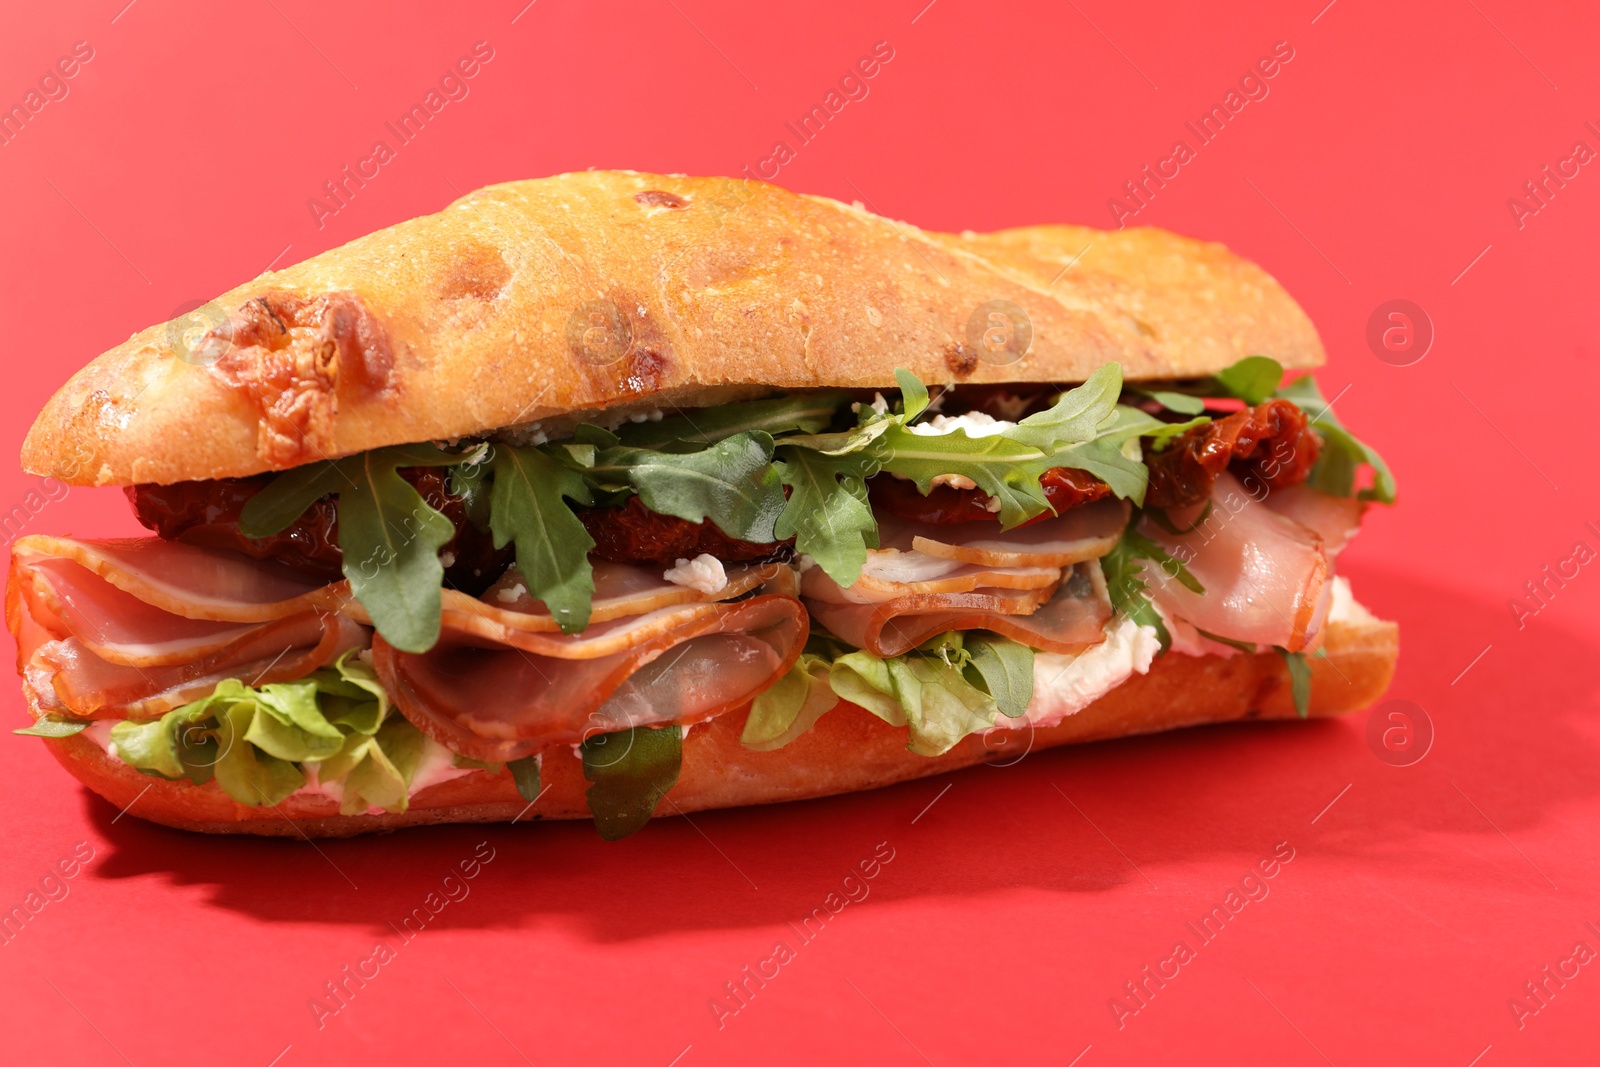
(975, 423)
(1346, 608)
(511, 594)
(704, 573)
(1064, 685)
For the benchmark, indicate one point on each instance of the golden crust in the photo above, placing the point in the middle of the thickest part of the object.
(848, 750)
(513, 303)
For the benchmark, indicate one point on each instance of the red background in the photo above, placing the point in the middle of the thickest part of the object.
(1378, 168)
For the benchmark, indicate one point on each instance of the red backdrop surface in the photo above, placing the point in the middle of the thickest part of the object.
(1379, 165)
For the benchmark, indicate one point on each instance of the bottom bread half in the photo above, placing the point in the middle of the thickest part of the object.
(848, 750)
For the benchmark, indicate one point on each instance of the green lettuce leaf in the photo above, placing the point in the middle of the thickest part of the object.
(1182, 403)
(791, 705)
(802, 412)
(528, 507)
(255, 741)
(630, 771)
(927, 691)
(1342, 454)
(48, 727)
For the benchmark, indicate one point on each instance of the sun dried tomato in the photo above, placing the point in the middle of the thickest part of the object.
(632, 533)
(207, 514)
(1271, 442)
(1064, 487)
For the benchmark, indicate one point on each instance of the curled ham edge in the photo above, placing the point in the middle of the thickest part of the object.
(1038, 584)
(1264, 569)
(174, 620)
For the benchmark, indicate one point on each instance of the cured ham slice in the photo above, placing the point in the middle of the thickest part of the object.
(1336, 519)
(1082, 533)
(1068, 619)
(1263, 572)
(621, 592)
(510, 693)
(133, 629)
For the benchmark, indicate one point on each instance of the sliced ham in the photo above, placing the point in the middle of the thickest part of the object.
(1263, 572)
(512, 694)
(1336, 519)
(1068, 618)
(1081, 533)
(891, 574)
(133, 629)
(621, 592)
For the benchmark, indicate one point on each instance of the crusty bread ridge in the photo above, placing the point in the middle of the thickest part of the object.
(848, 750)
(603, 288)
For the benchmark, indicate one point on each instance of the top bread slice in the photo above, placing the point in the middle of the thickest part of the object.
(601, 289)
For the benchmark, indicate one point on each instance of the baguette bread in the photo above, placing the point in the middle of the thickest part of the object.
(602, 289)
(848, 750)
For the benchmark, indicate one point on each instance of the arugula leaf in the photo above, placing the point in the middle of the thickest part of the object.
(828, 513)
(1242, 646)
(1078, 415)
(391, 539)
(1342, 454)
(1086, 429)
(631, 770)
(733, 483)
(1123, 568)
(913, 394)
(1299, 679)
(1182, 403)
(1253, 379)
(284, 499)
(528, 508)
(525, 772)
(389, 535)
(48, 727)
(1003, 669)
(805, 412)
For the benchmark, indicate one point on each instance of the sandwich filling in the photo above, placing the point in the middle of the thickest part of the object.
(978, 559)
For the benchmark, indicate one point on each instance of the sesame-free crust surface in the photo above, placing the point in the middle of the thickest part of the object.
(602, 289)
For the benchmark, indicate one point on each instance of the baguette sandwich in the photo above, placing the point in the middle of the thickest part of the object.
(615, 495)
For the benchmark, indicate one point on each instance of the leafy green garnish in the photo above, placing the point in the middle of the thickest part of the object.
(528, 508)
(390, 538)
(1182, 403)
(1253, 379)
(791, 705)
(1003, 669)
(525, 772)
(802, 412)
(927, 691)
(1299, 679)
(255, 741)
(1342, 454)
(388, 533)
(828, 513)
(732, 483)
(1123, 568)
(631, 770)
(48, 727)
